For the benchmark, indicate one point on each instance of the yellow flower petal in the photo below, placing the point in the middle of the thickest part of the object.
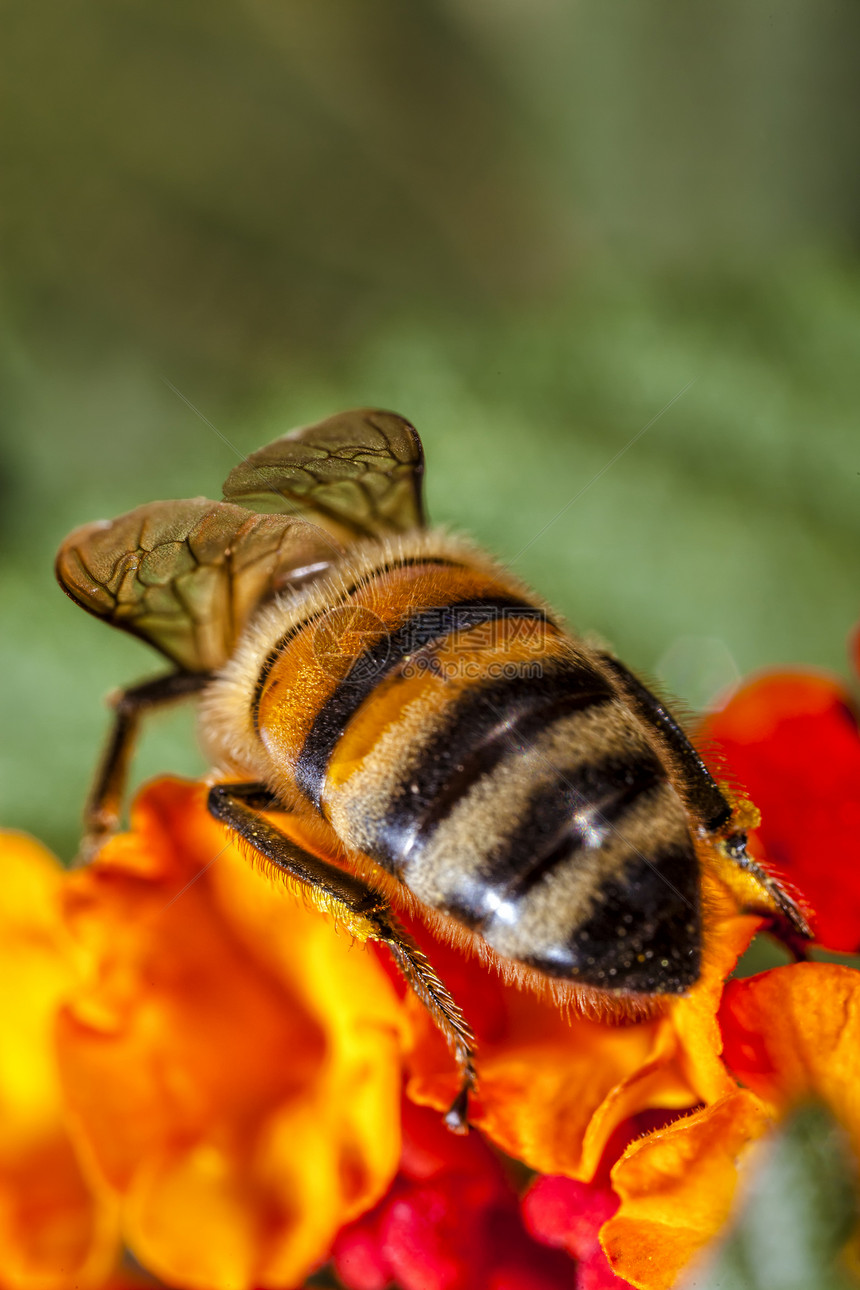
(55, 1229)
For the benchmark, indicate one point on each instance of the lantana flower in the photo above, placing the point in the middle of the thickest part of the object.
(202, 1069)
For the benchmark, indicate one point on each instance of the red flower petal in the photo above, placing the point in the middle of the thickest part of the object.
(450, 1222)
(569, 1215)
(359, 1258)
(792, 741)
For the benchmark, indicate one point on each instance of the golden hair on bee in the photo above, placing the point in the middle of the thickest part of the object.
(406, 726)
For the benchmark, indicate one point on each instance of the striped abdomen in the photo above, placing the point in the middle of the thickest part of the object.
(454, 734)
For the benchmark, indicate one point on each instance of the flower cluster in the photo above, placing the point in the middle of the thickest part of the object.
(198, 1068)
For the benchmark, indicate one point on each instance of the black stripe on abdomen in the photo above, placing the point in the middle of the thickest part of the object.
(340, 599)
(377, 661)
(643, 934)
(484, 725)
(580, 810)
(703, 793)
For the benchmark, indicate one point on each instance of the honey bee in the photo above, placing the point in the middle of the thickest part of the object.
(452, 748)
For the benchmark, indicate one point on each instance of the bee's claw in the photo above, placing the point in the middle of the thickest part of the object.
(457, 1118)
(90, 845)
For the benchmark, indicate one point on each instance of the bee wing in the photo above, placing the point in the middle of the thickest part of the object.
(358, 474)
(186, 575)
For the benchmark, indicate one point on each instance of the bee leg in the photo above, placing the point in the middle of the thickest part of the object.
(365, 912)
(104, 804)
(433, 993)
(756, 890)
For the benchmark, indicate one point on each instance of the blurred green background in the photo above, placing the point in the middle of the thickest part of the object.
(533, 228)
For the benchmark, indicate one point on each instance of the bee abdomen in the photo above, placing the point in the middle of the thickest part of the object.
(488, 762)
(537, 814)
(382, 657)
(481, 729)
(572, 855)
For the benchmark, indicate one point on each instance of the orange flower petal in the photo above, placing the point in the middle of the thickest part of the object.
(794, 1033)
(789, 1034)
(55, 1230)
(233, 1060)
(543, 1074)
(694, 1017)
(676, 1188)
(555, 1086)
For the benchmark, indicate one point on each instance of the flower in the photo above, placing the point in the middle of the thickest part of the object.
(569, 1215)
(57, 1224)
(449, 1221)
(794, 1033)
(233, 1062)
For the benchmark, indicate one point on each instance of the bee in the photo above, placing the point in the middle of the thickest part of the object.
(406, 701)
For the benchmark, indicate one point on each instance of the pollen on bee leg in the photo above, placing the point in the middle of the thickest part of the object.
(745, 816)
(356, 924)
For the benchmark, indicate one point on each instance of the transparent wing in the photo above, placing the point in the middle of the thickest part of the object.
(185, 576)
(358, 474)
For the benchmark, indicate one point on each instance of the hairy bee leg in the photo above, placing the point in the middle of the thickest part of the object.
(365, 912)
(104, 805)
(707, 800)
(433, 993)
(787, 921)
